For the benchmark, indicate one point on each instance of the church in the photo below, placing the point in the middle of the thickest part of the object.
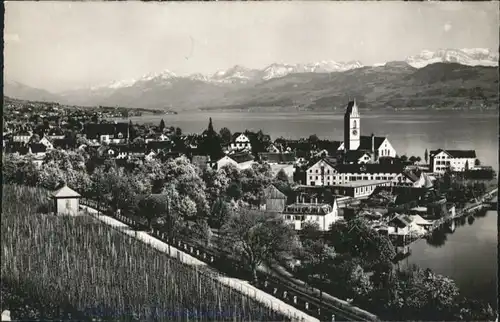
(357, 148)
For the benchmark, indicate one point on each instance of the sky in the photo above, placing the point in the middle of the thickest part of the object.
(63, 45)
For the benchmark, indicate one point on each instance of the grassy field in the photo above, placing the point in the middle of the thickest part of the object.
(78, 265)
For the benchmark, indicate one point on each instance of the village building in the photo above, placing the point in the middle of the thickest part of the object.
(239, 160)
(324, 214)
(156, 137)
(360, 189)
(22, 136)
(353, 141)
(240, 142)
(47, 143)
(55, 133)
(66, 201)
(274, 200)
(405, 225)
(325, 173)
(277, 158)
(455, 160)
(116, 133)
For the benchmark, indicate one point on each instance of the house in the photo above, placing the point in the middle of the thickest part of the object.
(117, 133)
(405, 225)
(240, 142)
(359, 189)
(37, 149)
(240, 160)
(47, 143)
(299, 213)
(277, 158)
(272, 148)
(150, 155)
(274, 200)
(55, 133)
(455, 160)
(22, 136)
(158, 146)
(326, 148)
(321, 173)
(66, 201)
(157, 137)
(356, 157)
(424, 223)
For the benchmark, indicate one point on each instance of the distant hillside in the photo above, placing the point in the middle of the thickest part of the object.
(391, 85)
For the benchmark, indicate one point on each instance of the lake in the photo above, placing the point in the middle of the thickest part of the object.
(469, 254)
(410, 132)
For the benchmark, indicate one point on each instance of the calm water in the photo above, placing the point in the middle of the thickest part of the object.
(410, 132)
(469, 255)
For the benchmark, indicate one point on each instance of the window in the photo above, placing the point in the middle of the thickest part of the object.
(68, 204)
(316, 177)
(310, 171)
(316, 170)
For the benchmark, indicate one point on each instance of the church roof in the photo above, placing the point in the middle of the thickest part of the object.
(352, 109)
(365, 142)
(65, 192)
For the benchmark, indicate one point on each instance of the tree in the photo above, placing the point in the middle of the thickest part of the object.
(477, 163)
(282, 176)
(256, 237)
(178, 131)
(181, 174)
(152, 207)
(412, 159)
(201, 232)
(162, 125)
(356, 238)
(403, 158)
(426, 156)
(220, 212)
(225, 135)
(210, 129)
(313, 138)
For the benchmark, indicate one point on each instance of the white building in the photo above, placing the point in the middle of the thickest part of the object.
(323, 214)
(47, 143)
(354, 141)
(66, 201)
(325, 173)
(240, 160)
(240, 142)
(455, 160)
(359, 189)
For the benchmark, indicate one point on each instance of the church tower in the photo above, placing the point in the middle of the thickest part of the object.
(352, 127)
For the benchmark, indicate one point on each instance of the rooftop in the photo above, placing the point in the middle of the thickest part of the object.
(362, 183)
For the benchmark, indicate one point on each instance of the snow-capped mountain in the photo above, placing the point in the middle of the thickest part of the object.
(467, 56)
(281, 70)
(236, 74)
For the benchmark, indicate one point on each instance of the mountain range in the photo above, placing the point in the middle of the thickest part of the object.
(443, 79)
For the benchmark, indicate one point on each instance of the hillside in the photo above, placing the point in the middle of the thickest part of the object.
(392, 85)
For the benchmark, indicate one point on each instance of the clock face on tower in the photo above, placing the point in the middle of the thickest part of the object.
(354, 132)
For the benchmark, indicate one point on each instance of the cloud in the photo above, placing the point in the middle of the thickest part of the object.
(447, 27)
(12, 38)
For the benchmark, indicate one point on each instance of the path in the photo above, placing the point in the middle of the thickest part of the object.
(237, 284)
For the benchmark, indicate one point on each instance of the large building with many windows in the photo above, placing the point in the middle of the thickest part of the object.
(455, 160)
